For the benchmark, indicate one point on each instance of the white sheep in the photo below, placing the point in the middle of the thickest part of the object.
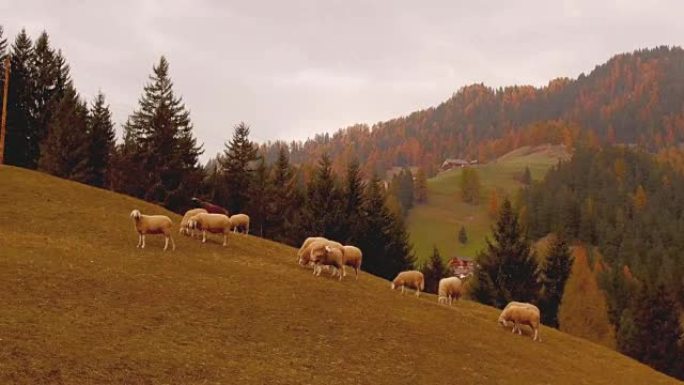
(184, 229)
(353, 257)
(305, 245)
(522, 314)
(316, 246)
(213, 223)
(152, 224)
(240, 222)
(412, 278)
(449, 288)
(328, 256)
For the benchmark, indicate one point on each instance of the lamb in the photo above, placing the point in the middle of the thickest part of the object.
(184, 229)
(449, 288)
(352, 258)
(152, 224)
(412, 278)
(213, 223)
(328, 256)
(523, 314)
(240, 222)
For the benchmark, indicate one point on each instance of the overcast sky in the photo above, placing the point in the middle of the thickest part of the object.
(291, 69)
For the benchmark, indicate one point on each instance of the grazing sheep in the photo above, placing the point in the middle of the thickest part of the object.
(328, 256)
(522, 314)
(449, 288)
(352, 258)
(240, 222)
(412, 278)
(306, 244)
(316, 246)
(514, 303)
(184, 229)
(210, 207)
(152, 224)
(213, 223)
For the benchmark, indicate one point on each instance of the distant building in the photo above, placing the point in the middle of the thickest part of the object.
(450, 163)
(461, 266)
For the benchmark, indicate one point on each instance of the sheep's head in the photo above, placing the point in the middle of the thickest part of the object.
(135, 214)
(392, 286)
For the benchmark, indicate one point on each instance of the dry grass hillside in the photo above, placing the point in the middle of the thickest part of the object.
(79, 304)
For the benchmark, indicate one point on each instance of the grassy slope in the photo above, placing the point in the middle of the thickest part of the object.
(437, 222)
(80, 304)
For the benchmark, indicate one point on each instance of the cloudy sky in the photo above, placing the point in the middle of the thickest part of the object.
(291, 69)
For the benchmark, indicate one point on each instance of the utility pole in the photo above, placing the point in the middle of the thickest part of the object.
(3, 124)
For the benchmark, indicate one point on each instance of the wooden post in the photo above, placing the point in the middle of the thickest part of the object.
(3, 124)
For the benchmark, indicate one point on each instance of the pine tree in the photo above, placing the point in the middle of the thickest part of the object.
(64, 152)
(470, 186)
(284, 200)
(50, 76)
(555, 273)
(507, 270)
(159, 133)
(384, 241)
(462, 235)
(352, 196)
(421, 193)
(127, 164)
(20, 100)
(237, 162)
(526, 177)
(259, 194)
(652, 334)
(433, 271)
(323, 208)
(101, 142)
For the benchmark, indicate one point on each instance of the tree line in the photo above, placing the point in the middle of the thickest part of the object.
(629, 205)
(51, 128)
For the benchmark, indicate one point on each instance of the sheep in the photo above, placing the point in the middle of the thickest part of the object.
(152, 224)
(523, 314)
(514, 303)
(328, 256)
(449, 288)
(413, 278)
(210, 207)
(305, 245)
(213, 223)
(240, 222)
(184, 229)
(305, 255)
(352, 258)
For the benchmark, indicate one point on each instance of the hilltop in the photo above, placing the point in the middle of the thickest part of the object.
(438, 221)
(81, 304)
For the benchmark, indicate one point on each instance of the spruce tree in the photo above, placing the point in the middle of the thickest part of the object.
(555, 273)
(421, 186)
(64, 152)
(434, 270)
(237, 161)
(50, 76)
(100, 142)
(284, 200)
(259, 199)
(353, 202)
(654, 337)
(3, 54)
(20, 100)
(323, 209)
(161, 138)
(507, 268)
(462, 235)
(384, 239)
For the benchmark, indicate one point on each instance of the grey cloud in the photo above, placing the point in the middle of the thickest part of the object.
(295, 68)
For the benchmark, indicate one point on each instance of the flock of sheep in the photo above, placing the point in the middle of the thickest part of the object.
(321, 253)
